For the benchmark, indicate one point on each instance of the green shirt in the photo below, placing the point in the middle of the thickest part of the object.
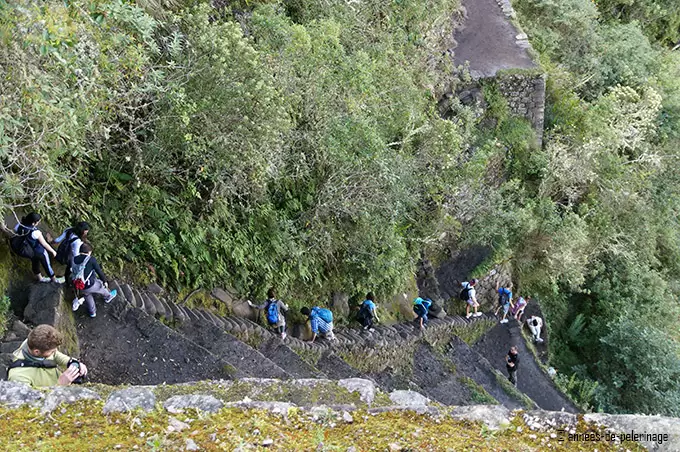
(34, 376)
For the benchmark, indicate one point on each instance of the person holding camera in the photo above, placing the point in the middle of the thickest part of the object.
(37, 361)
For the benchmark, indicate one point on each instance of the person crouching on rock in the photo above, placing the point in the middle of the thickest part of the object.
(368, 312)
(421, 307)
(84, 272)
(511, 364)
(274, 309)
(36, 362)
(535, 324)
(321, 321)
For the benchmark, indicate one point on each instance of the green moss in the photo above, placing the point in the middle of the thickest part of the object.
(512, 391)
(477, 392)
(311, 357)
(66, 324)
(82, 426)
(375, 360)
(472, 332)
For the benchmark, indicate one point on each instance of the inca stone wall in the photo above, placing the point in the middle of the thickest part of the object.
(525, 94)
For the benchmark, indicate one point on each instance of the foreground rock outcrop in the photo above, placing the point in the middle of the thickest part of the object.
(303, 414)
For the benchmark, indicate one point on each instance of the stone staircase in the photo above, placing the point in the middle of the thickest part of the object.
(165, 342)
(254, 350)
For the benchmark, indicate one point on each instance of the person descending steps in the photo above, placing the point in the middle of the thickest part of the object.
(274, 310)
(368, 312)
(421, 307)
(469, 296)
(504, 300)
(30, 243)
(321, 322)
(85, 271)
(69, 245)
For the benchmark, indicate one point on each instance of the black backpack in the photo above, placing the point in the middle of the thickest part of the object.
(465, 293)
(503, 298)
(364, 313)
(64, 249)
(20, 244)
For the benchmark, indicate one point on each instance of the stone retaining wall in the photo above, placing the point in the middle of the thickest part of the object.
(525, 93)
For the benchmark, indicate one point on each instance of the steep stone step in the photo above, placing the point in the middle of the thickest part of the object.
(288, 360)
(138, 349)
(474, 366)
(166, 307)
(148, 305)
(245, 358)
(193, 316)
(127, 292)
(335, 367)
(442, 383)
(177, 313)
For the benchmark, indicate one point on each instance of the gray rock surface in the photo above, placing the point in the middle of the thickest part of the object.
(340, 304)
(648, 425)
(365, 388)
(67, 394)
(408, 398)
(130, 399)
(494, 416)
(13, 394)
(207, 403)
(20, 330)
(43, 304)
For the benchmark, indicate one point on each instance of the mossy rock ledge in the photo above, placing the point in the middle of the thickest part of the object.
(303, 414)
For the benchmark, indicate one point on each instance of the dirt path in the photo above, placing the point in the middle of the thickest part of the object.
(531, 380)
(487, 40)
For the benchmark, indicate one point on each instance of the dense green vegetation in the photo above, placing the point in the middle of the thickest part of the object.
(298, 143)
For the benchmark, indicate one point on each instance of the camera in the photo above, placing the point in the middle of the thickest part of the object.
(75, 363)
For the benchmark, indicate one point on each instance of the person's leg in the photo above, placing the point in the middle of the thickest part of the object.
(506, 307)
(45, 262)
(89, 302)
(467, 310)
(35, 267)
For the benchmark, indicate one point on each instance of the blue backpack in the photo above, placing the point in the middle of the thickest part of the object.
(324, 314)
(273, 312)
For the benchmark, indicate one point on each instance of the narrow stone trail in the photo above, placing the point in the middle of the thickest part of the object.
(488, 40)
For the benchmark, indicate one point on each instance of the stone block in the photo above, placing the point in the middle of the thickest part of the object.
(67, 394)
(340, 304)
(130, 399)
(14, 395)
(206, 403)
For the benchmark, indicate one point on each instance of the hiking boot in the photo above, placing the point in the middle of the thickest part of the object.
(93, 315)
(371, 330)
(504, 321)
(113, 293)
(283, 336)
(468, 316)
(539, 340)
(477, 314)
(60, 280)
(45, 279)
(77, 302)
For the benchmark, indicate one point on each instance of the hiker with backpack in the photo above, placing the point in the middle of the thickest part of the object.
(469, 296)
(30, 243)
(421, 307)
(85, 271)
(274, 309)
(535, 324)
(321, 321)
(504, 300)
(518, 309)
(69, 245)
(368, 312)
